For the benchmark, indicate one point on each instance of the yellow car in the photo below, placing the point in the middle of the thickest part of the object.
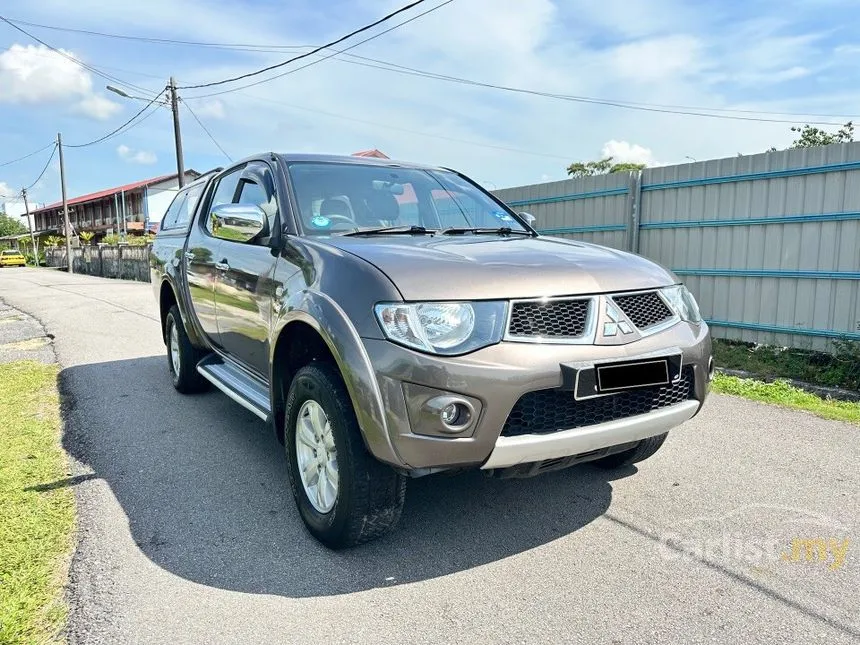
(12, 258)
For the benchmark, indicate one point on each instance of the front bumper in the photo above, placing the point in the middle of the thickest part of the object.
(494, 378)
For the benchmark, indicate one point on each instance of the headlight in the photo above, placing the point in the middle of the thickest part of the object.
(443, 327)
(683, 303)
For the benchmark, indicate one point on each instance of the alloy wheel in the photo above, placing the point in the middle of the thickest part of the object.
(316, 456)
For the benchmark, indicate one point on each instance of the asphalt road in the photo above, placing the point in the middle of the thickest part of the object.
(187, 533)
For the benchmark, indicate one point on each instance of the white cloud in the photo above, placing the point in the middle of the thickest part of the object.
(136, 156)
(213, 109)
(34, 74)
(659, 58)
(754, 56)
(6, 190)
(624, 152)
(97, 107)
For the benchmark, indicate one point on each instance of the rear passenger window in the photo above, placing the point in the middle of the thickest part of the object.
(182, 208)
(171, 216)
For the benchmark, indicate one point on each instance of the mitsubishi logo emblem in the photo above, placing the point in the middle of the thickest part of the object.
(614, 321)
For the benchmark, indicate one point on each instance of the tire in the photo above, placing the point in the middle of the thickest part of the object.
(640, 452)
(182, 356)
(369, 495)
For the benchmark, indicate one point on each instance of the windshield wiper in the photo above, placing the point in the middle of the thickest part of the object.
(504, 230)
(391, 230)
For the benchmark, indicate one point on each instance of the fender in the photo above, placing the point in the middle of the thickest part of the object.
(326, 317)
(188, 321)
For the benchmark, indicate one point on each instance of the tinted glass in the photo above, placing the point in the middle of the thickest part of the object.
(224, 191)
(253, 193)
(335, 197)
(226, 188)
(170, 217)
(182, 208)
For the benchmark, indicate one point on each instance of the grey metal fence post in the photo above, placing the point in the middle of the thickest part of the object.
(635, 211)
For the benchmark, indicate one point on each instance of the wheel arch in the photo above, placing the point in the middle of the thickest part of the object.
(166, 299)
(327, 334)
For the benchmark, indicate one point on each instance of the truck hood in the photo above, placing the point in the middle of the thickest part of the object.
(487, 267)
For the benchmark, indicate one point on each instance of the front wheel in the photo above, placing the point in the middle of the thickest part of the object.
(640, 452)
(345, 496)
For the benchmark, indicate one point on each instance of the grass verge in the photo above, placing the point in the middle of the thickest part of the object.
(838, 368)
(35, 526)
(782, 393)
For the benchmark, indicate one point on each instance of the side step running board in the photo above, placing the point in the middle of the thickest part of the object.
(245, 389)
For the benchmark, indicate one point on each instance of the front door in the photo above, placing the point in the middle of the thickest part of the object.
(247, 285)
(200, 258)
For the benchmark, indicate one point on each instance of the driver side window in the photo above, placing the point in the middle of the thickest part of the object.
(225, 192)
(251, 192)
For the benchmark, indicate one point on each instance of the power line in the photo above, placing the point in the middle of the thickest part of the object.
(323, 58)
(80, 63)
(44, 170)
(402, 69)
(399, 129)
(585, 98)
(168, 41)
(269, 48)
(209, 134)
(310, 53)
(26, 156)
(117, 130)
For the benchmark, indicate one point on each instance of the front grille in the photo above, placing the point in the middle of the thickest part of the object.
(546, 411)
(644, 309)
(551, 319)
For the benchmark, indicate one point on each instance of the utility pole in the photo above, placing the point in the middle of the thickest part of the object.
(177, 137)
(30, 224)
(66, 223)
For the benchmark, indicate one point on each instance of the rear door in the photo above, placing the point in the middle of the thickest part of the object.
(246, 284)
(201, 256)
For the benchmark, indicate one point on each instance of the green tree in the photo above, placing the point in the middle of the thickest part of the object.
(603, 166)
(11, 226)
(811, 136)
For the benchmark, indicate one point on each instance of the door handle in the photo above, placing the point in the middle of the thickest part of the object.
(223, 265)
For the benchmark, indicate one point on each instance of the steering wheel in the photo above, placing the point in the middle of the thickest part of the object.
(342, 218)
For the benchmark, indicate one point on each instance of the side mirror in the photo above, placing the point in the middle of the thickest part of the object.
(528, 217)
(238, 222)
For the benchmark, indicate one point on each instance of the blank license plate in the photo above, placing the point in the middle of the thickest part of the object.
(611, 378)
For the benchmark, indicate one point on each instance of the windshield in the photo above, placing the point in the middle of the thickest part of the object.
(11, 253)
(338, 198)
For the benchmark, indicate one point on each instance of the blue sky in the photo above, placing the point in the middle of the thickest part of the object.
(755, 55)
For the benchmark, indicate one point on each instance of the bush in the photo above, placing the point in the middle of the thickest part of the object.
(139, 240)
(31, 259)
(841, 368)
(112, 239)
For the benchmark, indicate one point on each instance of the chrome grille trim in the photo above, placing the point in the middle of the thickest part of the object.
(645, 309)
(586, 338)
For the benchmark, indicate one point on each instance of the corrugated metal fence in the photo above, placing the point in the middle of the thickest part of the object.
(769, 243)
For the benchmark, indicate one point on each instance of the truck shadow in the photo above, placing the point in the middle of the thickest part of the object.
(203, 483)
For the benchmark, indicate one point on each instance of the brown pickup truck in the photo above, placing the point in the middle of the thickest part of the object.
(393, 320)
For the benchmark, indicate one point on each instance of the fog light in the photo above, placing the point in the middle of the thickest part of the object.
(455, 416)
(449, 414)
